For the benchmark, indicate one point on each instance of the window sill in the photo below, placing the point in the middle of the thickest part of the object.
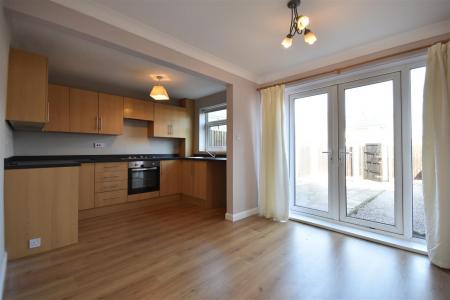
(409, 245)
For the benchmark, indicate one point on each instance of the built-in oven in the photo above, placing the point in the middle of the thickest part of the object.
(143, 177)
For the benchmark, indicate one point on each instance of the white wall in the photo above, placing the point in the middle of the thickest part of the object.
(211, 100)
(6, 140)
(133, 141)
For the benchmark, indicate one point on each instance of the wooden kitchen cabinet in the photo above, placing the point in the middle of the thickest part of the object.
(187, 178)
(110, 112)
(205, 181)
(170, 177)
(83, 111)
(59, 113)
(27, 104)
(200, 179)
(194, 178)
(111, 183)
(181, 125)
(169, 121)
(87, 187)
(40, 203)
(138, 109)
(91, 112)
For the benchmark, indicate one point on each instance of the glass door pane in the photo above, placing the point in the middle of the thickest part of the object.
(367, 156)
(312, 152)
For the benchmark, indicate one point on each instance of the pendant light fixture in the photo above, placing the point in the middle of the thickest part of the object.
(299, 24)
(158, 91)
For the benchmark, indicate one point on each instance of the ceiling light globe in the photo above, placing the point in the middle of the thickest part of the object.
(302, 22)
(310, 37)
(287, 42)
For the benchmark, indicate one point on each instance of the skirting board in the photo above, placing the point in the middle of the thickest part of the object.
(3, 262)
(241, 215)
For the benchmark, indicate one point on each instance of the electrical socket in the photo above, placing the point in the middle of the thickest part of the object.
(99, 145)
(34, 243)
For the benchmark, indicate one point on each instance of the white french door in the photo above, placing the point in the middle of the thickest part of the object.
(314, 143)
(346, 148)
(370, 153)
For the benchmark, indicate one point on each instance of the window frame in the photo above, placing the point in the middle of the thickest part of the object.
(205, 125)
(403, 66)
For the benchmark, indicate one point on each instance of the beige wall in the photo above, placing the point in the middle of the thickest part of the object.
(6, 141)
(133, 141)
(242, 98)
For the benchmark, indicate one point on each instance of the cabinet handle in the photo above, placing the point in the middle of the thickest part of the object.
(101, 123)
(48, 111)
(96, 123)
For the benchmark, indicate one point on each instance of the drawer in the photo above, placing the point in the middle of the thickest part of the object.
(111, 167)
(110, 198)
(108, 186)
(111, 176)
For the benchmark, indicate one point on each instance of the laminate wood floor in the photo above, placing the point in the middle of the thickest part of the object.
(186, 252)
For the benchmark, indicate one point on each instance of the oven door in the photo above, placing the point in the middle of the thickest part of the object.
(143, 180)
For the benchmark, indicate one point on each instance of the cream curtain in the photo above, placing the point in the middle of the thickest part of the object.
(274, 177)
(436, 154)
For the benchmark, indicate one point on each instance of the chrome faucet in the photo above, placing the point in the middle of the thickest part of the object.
(211, 154)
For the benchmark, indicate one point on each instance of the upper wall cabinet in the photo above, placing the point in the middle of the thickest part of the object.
(170, 122)
(83, 111)
(110, 114)
(27, 104)
(91, 112)
(137, 109)
(59, 113)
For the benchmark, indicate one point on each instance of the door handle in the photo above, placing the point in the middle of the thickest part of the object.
(330, 154)
(96, 122)
(342, 155)
(144, 169)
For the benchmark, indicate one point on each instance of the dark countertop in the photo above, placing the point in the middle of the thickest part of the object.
(54, 161)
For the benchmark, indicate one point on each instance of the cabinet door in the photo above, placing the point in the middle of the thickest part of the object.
(188, 178)
(169, 178)
(162, 121)
(83, 111)
(200, 179)
(110, 112)
(137, 109)
(180, 123)
(58, 104)
(27, 87)
(41, 202)
(87, 187)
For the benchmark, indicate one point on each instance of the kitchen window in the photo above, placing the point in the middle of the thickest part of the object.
(213, 135)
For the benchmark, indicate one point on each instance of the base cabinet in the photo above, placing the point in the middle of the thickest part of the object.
(205, 181)
(111, 183)
(169, 182)
(87, 187)
(40, 203)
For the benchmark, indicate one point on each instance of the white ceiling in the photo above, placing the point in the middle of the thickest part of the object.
(81, 62)
(247, 33)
